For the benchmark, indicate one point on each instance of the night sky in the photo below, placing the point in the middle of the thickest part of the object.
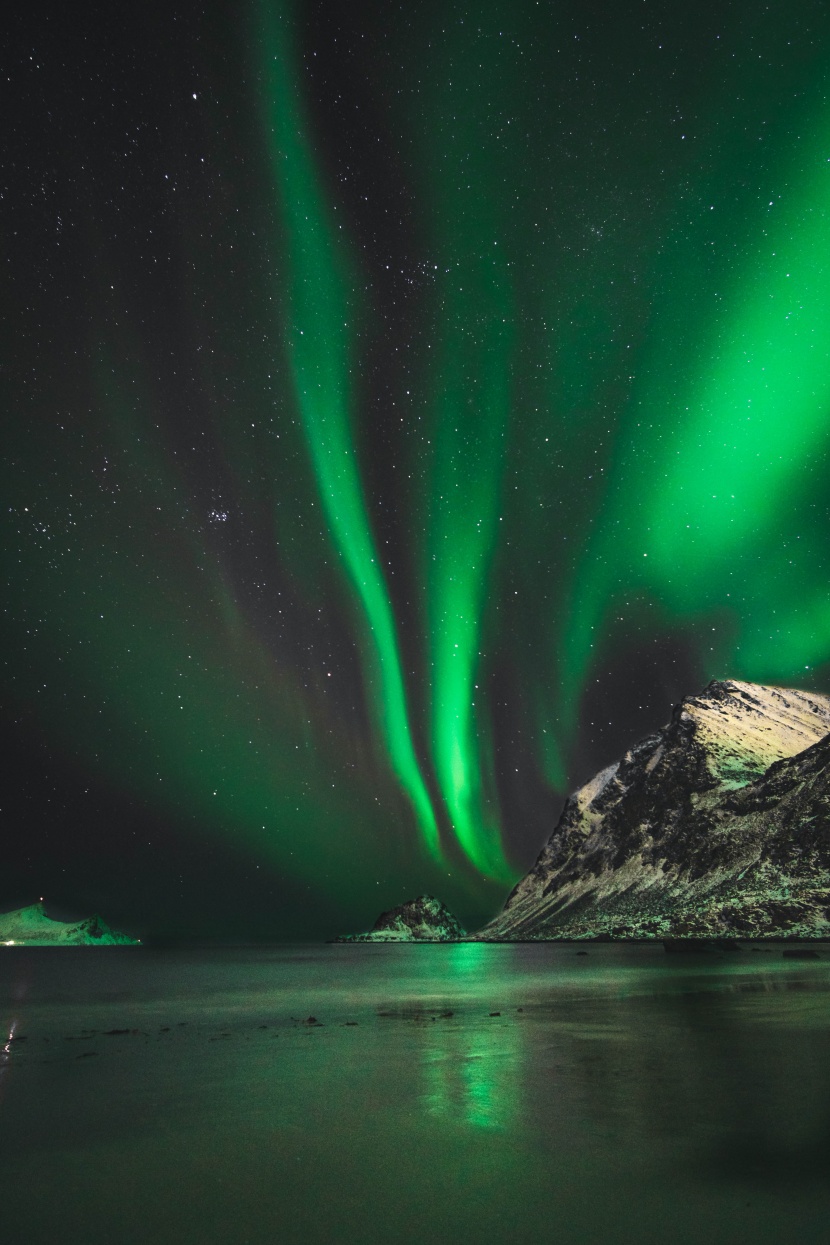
(404, 406)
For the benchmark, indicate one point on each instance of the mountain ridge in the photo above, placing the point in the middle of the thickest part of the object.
(697, 831)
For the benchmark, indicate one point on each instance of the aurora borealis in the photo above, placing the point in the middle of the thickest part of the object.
(404, 408)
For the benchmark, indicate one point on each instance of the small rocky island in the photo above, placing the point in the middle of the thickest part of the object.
(32, 927)
(717, 826)
(424, 919)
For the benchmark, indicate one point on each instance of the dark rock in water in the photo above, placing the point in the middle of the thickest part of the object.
(32, 927)
(418, 920)
(716, 827)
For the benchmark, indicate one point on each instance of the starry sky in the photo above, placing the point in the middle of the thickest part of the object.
(405, 406)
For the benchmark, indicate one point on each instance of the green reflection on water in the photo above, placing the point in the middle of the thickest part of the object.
(472, 1066)
(472, 1076)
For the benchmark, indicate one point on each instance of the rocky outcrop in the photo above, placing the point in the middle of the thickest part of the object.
(32, 927)
(418, 920)
(716, 826)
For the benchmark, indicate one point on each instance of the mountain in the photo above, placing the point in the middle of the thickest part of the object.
(718, 825)
(418, 920)
(32, 927)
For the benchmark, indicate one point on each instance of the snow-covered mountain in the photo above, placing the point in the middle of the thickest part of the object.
(32, 927)
(418, 920)
(717, 825)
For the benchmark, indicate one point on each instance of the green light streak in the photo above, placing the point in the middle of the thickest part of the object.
(471, 83)
(464, 530)
(320, 312)
(764, 401)
(710, 513)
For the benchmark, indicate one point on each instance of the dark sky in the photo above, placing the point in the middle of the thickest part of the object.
(405, 406)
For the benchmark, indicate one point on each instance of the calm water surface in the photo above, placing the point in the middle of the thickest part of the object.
(620, 1096)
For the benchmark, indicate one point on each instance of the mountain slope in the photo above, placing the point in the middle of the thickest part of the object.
(719, 824)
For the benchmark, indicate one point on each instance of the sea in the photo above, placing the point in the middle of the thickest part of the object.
(432, 1095)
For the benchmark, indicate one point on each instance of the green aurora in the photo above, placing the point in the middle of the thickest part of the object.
(432, 377)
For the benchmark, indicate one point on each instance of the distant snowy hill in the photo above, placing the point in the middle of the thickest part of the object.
(717, 825)
(31, 926)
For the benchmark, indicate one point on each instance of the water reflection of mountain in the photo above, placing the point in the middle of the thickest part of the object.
(734, 1080)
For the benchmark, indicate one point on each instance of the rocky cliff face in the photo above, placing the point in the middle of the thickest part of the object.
(418, 920)
(32, 927)
(717, 825)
